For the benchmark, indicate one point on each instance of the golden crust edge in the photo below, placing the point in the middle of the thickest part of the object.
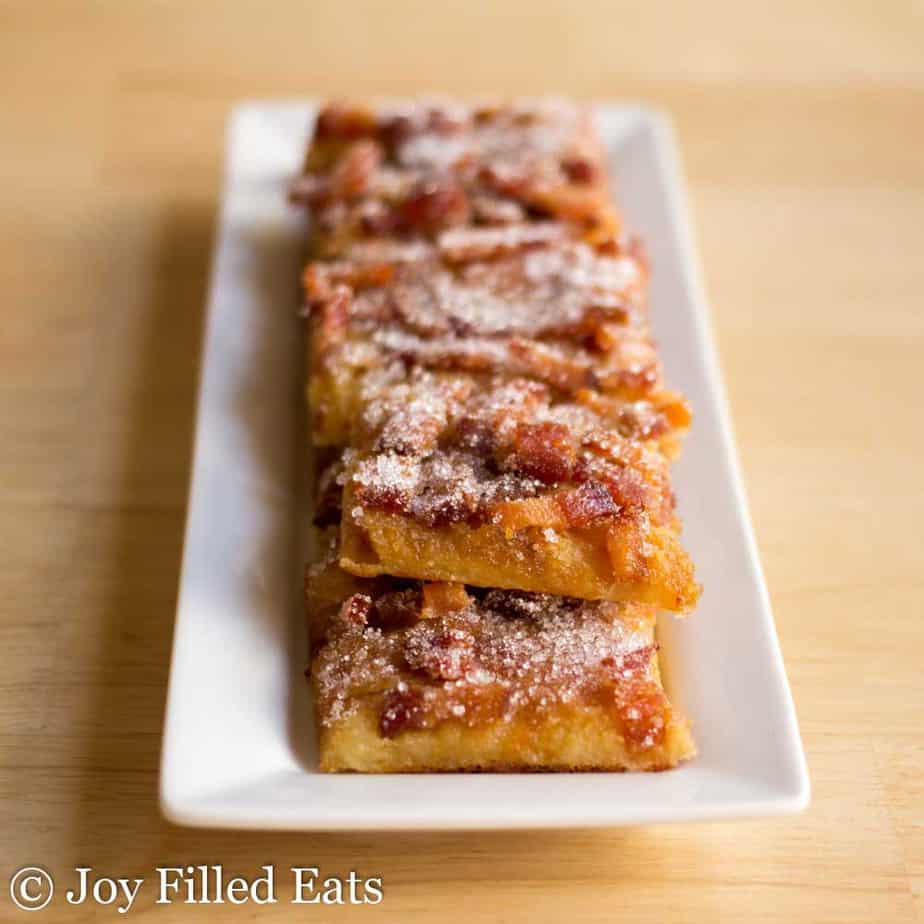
(566, 738)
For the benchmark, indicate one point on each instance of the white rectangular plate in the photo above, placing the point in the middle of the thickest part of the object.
(239, 744)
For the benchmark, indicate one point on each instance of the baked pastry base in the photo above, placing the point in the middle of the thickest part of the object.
(594, 563)
(567, 738)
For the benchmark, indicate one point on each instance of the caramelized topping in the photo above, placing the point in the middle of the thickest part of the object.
(441, 453)
(569, 291)
(480, 338)
(543, 451)
(440, 598)
(421, 168)
(493, 656)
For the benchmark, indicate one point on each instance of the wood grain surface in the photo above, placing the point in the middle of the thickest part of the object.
(802, 130)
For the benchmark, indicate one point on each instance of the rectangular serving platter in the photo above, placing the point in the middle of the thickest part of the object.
(239, 744)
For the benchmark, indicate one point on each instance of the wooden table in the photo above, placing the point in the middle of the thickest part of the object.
(802, 128)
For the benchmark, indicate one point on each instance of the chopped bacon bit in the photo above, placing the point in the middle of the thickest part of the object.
(626, 550)
(397, 129)
(389, 251)
(402, 127)
(607, 335)
(491, 210)
(603, 226)
(443, 653)
(414, 428)
(606, 444)
(580, 169)
(319, 278)
(316, 281)
(641, 421)
(638, 381)
(396, 610)
(309, 189)
(369, 275)
(435, 203)
(542, 511)
(345, 122)
(477, 436)
(355, 610)
(675, 407)
(376, 218)
(505, 179)
(644, 713)
(586, 504)
(328, 496)
(543, 451)
(635, 660)
(574, 203)
(559, 370)
(409, 437)
(441, 597)
(402, 709)
(392, 496)
(625, 486)
(351, 175)
(601, 405)
(485, 112)
(465, 244)
(334, 317)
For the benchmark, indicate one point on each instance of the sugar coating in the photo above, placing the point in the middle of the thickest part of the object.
(502, 654)
(421, 168)
(442, 451)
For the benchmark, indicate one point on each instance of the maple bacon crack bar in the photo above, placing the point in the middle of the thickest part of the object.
(437, 677)
(501, 486)
(415, 170)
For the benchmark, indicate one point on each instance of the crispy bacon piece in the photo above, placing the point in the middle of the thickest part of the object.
(492, 210)
(476, 435)
(675, 408)
(587, 504)
(626, 553)
(438, 650)
(641, 709)
(396, 609)
(580, 169)
(320, 279)
(355, 610)
(433, 204)
(551, 365)
(402, 709)
(345, 121)
(578, 203)
(463, 245)
(441, 597)
(543, 511)
(353, 173)
(350, 178)
(544, 451)
(334, 316)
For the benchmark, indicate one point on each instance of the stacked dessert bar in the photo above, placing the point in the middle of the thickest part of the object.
(494, 441)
